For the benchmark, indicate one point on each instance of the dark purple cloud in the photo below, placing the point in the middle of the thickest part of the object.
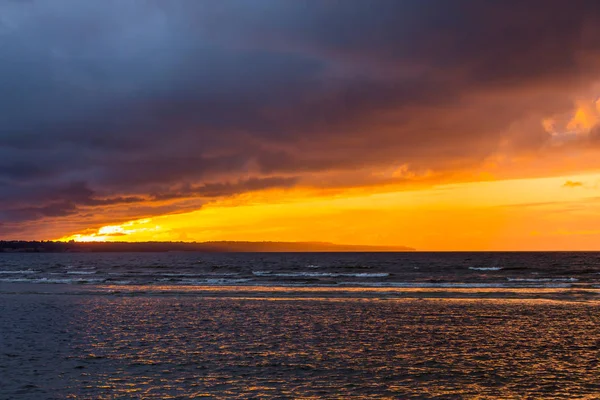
(125, 103)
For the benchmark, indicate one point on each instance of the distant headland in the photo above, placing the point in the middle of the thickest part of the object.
(18, 246)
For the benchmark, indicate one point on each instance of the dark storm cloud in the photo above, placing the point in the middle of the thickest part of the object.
(221, 189)
(121, 102)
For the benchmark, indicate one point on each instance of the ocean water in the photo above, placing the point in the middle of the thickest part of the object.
(403, 270)
(300, 326)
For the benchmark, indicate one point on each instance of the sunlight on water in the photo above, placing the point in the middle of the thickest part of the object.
(167, 347)
(309, 326)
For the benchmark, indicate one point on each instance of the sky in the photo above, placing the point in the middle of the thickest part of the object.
(434, 124)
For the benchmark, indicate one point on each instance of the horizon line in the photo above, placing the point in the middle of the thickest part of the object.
(368, 247)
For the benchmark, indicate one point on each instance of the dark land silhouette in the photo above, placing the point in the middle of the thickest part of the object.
(19, 246)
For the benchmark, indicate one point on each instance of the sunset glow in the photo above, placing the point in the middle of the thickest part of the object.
(276, 199)
(265, 121)
(542, 213)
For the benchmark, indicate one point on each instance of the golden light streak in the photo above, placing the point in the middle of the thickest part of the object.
(115, 232)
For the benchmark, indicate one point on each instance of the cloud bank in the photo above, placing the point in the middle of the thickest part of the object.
(123, 109)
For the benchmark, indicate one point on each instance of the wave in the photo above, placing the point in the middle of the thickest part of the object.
(485, 268)
(542, 279)
(81, 272)
(515, 284)
(51, 280)
(425, 284)
(321, 274)
(199, 274)
(214, 281)
(26, 271)
(450, 285)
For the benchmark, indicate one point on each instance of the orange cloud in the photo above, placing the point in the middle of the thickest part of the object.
(585, 118)
(571, 184)
(494, 215)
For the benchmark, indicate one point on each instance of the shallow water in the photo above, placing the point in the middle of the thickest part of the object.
(91, 346)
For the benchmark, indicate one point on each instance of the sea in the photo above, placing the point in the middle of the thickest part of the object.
(408, 325)
(391, 270)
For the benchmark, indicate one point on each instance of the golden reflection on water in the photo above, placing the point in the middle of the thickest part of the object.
(332, 293)
(189, 347)
(332, 289)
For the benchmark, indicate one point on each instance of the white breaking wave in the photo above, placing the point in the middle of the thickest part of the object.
(542, 279)
(81, 272)
(321, 274)
(199, 274)
(16, 280)
(26, 271)
(214, 281)
(312, 266)
(486, 268)
(50, 280)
